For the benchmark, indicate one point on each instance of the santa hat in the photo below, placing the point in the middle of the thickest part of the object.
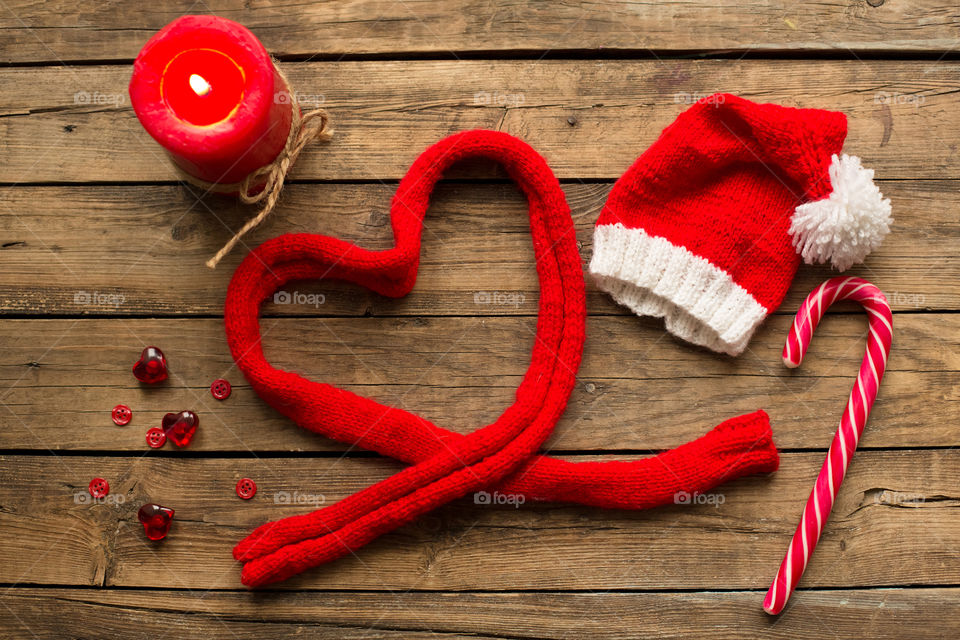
(707, 227)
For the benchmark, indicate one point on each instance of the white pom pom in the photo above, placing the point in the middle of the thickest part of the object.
(845, 227)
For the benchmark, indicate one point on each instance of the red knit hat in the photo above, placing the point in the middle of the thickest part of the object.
(705, 228)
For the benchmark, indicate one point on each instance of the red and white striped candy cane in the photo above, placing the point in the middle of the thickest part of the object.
(864, 392)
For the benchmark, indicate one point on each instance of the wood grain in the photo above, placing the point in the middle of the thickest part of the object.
(894, 523)
(101, 253)
(637, 390)
(126, 250)
(110, 614)
(590, 119)
(85, 30)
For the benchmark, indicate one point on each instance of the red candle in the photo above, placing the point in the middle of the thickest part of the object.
(205, 88)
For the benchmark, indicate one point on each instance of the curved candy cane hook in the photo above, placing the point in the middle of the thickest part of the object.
(820, 502)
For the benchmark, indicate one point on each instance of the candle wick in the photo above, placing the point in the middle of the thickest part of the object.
(199, 85)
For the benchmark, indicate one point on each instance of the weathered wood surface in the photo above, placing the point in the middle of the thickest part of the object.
(590, 119)
(97, 241)
(637, 390)
(140, 250)
(894, 523)
(92, 30)
(111, 614)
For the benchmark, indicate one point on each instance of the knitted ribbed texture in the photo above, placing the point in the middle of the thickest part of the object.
(696, 231)
(447, 465)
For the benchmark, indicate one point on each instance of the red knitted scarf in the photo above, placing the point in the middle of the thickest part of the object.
(446, 465)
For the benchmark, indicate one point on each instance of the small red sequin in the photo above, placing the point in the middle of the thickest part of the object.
(156, 438)
(156, 520)
(121, 415)
(99, 488)
(220, 389)
(246, 488)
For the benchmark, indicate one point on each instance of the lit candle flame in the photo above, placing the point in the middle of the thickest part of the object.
(199, 85)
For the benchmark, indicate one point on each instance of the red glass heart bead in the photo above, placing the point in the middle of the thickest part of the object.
(156, 520)
(246, 488)
(121, 415)
(180, 427)
(151, 367)
(99, 488)
(220, 389)
(156, 438)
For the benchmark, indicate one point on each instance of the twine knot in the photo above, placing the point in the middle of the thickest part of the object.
(265, 183)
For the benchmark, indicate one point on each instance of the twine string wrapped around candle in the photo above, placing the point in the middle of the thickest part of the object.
(265, 184)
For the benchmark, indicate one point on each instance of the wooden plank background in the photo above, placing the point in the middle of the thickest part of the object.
(92, 30)
(101, 252)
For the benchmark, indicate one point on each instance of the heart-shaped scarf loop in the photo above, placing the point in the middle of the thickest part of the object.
(446, 465)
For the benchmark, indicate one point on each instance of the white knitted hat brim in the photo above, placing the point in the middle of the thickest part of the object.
(651, 276)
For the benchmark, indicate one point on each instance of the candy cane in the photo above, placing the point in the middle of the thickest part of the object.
(820, 502)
